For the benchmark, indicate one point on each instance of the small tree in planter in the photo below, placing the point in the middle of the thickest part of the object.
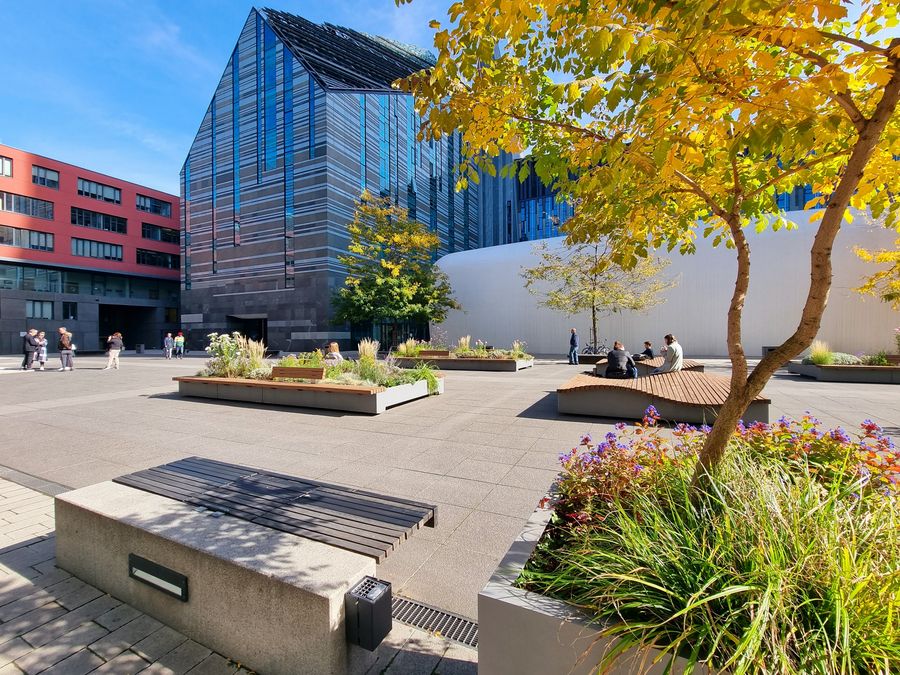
(582, 278)
(390, 274)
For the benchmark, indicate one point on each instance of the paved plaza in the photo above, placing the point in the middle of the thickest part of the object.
(484, 452)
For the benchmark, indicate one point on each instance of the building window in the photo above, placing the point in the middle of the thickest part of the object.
(87, 248)
(312, 117)
(70, 311)
(157, 233)
(156, 259)
(362, 142)
(38, 309)
(27, 206)
(271, 78)
(5, 167)
(288, 77)
(236, 144)
(99, 221)
(46, 177)
(99, 191)
(21, 238)
(384, 145)
(155, 206)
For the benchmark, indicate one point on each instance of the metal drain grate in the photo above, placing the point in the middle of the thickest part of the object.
(450, 626)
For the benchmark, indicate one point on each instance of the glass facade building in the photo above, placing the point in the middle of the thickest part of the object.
(303, 120)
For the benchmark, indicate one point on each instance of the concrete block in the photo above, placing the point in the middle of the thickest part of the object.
(271, 600)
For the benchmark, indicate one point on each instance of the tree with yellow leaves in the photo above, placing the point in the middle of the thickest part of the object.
(390, 274)
(670, 121)
(885, 283)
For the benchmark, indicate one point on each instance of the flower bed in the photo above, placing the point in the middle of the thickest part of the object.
(785, 562)
(463, 356)
(239, 371)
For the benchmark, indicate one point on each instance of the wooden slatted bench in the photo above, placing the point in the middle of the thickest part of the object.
(258, 562)
(685, 396)
(354, 398)
(352, 519)
(299, 373)
(647, 366)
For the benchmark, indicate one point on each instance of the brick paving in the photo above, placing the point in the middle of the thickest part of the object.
(53, 623)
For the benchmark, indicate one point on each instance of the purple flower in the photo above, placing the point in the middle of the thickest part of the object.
(840, 435)
(620, 426)
(705, 428)
(586, 439)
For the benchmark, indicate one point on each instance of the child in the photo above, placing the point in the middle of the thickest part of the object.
(42, 349)
(333, 357)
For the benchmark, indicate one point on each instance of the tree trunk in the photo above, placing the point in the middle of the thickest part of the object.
(744, 389)
(594, 326)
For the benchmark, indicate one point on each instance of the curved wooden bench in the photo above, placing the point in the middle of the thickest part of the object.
(685, 396)
(647, 366)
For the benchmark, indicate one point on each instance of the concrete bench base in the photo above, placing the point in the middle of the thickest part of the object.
(268, 599)
(492, 365)
(306, 396)
(862, 374)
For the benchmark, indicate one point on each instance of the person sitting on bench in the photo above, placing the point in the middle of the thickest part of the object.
(619, 364)
(673, 356)
(646, 354)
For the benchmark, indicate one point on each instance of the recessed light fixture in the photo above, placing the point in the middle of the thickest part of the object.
(155, 575)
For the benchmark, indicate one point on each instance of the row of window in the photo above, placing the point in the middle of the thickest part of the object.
(45, 280)
(99, 191)
(27, 206)
(21, 238)
(86, 188)
(87, 248)
(157, 233)
(99, 221)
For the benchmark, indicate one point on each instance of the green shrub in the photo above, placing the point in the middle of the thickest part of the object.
(788, 561)
(234, 356)
(819, 354)
(879, 359)
(843, 359)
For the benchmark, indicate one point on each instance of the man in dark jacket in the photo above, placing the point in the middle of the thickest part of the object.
(619, 364)
(573, 348)
(30, 346)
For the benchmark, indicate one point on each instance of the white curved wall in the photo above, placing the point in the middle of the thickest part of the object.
(498, 309)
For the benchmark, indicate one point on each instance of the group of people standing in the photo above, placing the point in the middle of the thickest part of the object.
(34, 347)
(620, 364)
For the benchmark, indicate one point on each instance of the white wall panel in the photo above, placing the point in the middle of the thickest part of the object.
(498, 309)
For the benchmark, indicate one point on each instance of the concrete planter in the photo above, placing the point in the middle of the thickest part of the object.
(493, 365)
(861, 374)
(524, 632)
(371, 401)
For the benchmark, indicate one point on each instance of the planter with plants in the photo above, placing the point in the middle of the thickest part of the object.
(783, 560)
(464, 356)
(828, 366)
(239, 371)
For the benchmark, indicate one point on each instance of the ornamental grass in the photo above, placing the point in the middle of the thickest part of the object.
(787, 561)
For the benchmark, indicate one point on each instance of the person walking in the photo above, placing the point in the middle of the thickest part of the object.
(168, 345)
(179, 345)
(673, 358)
(573, 348)
(41, 355)
(115, 346)
(66, 349)
(30, 347)
(619, 364)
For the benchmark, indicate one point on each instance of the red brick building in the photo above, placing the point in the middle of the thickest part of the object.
(85, 250)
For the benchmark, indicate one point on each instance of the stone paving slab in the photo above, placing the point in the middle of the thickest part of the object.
(484, 452)
(54, 624)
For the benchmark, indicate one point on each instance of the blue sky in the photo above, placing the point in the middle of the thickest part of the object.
(120, 87)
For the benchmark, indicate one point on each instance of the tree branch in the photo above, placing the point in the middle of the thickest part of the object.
(797, 169)
(703, 194)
